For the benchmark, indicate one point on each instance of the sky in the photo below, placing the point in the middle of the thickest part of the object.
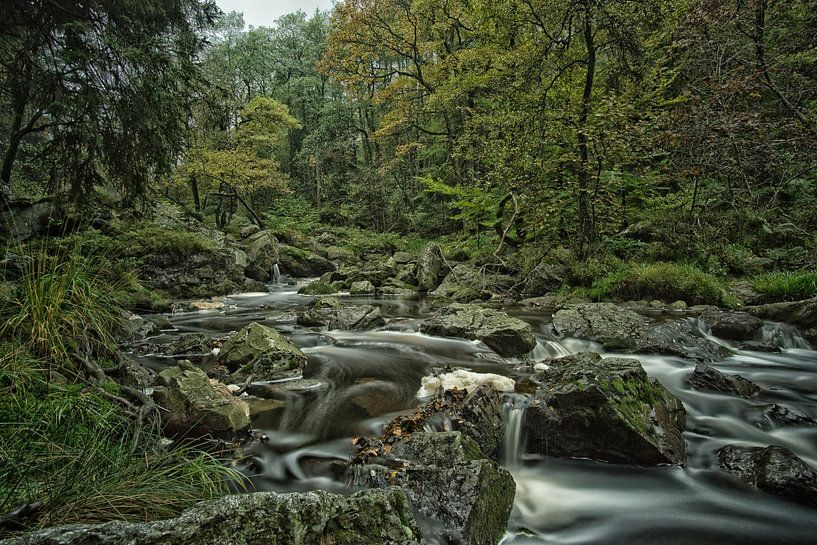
(265, 12)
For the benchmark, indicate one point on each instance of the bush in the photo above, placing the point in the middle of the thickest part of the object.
(789, 286)
(666, 281)
(174, 246)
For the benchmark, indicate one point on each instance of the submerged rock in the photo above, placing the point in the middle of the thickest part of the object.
(331, 313)
(376, 517)
(430, 267)
(262, 352)
(196, 406)
(773, 469)
(455, 492)
(605, 409)
(705, 377)
(505, 335)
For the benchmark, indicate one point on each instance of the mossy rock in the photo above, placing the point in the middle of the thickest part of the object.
(262, 352)
(317, 287)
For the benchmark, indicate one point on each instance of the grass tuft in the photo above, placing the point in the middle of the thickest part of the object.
(787, 285)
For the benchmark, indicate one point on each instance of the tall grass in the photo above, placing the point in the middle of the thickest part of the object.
(787, 285)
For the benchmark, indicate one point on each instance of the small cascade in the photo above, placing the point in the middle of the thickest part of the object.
(782, 335)
(513, 419)
(276, 274)
(548, 349)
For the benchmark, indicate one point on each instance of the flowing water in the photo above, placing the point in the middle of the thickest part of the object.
(360, 380)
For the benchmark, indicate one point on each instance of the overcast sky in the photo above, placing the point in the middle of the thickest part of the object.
(265, 12)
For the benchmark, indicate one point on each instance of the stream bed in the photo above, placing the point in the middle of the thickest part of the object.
(362, 379)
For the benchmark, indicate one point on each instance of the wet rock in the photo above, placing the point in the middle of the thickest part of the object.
(466, 283)
(257, 286)
(376, 517)
(605, 409)
(282, 390)
(364, 287)
(705, 377)
(262, 352)
(302, 263)
(430, 267)
(136, 328)
(455, 492)
(265, 414)
(800, 313)
(263, 253)
(618, 328)
(505, 335)
(611, 325)
(393, 286)
(331, 313)
(735, 326)
(758, 346)
(778, 416)
(196, 406)
(552, 301)
(773, 469)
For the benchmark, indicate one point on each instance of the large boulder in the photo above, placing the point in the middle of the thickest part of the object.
(430, 267)
(204, 273)
(800, 313)
(605, 409)
(262, 250)
(505, 335)
(376, 517)
(263, 352)
(705, 377)
(543, 278)
(618, 328)
(196, 406)
(363, 287)
(329, 312)
(467, 283)
(775, 470)
(302, 263)
(455, 492)
(735, 326)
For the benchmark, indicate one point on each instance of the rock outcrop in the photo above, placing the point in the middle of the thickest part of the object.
(505, 335)
(605, 409)
(375, 517)
(302, 263)
(705, 377)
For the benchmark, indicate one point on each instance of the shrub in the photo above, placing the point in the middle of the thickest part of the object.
(787, 285)
(666, 281)
(174, 246)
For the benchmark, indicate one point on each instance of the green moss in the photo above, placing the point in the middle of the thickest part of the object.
(317, 288)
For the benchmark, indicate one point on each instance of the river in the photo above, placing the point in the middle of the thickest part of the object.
(362, 379)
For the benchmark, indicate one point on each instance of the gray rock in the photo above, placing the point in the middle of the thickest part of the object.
(196, 406)
(331, 313)
(466, 283)
(773, 469)
(401, 258)
(454, 491)
(505, 335)
(318, 287)
(265, 414)
(735, 326)
(302, 263)
(202, 274)
(705, 377)
(364, 287)
(605, 409)
(136, 328)
(262, 252)
(544, 278)
(376, 517)
(430, 267)
(800, 313)
(778, 416)
(679, 338)
(262, 352)
(393, 286)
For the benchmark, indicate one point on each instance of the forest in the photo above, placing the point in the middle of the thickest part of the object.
(500, 161)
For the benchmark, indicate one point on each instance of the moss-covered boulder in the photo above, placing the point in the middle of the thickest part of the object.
(196, 406)
(505, 335)
(318, 287)
(329, 312)
(262, 352)
(262, 250)
(302, 263)
(363, 287)
(775, 470)
(374, 517)
(456, 492)
(605, 409)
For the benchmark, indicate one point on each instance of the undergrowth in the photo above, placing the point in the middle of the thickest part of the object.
(787, 285)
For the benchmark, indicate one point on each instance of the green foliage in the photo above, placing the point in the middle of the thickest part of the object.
(70, 447)
(666, 281)
(62, 305)
(166, 243)
(787, 285)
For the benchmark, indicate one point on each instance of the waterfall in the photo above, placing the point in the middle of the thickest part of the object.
(276, 274)
(513, 419)
(782, 335)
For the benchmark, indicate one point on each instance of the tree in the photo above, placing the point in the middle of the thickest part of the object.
(105, 82)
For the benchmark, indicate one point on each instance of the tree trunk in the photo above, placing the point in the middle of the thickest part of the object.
(585, 226)
(194, 188)
(21, 95)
